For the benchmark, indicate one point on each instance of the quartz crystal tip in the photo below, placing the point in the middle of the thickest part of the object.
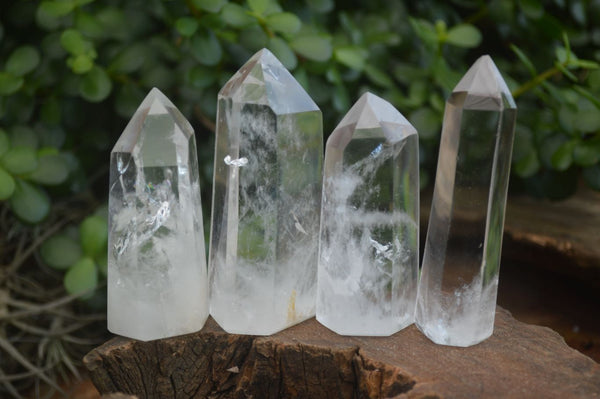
(368, 251)
(485, 87)
(264, 80)
(157, 277)
(371, 112)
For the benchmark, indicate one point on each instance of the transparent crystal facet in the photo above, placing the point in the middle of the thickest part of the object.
(369, 247)
(266, 200)
(459, 277)
(157, 275)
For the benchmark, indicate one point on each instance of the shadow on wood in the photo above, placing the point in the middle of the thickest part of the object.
(309, 361)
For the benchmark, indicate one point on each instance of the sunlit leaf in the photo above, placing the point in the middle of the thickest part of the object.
(314, 47)
(29, 203)
(82, 278)
(60, 251)
(7, 185)
(22, 61)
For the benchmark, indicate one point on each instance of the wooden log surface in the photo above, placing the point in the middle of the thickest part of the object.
(563, 236)
(310, 361)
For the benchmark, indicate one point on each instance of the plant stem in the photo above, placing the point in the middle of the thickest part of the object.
(535, 81)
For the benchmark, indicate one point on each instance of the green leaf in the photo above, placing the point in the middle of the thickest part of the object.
(60, 251)
(464, 35)
(7, 185)
(284, 22)
(52, 170)
(50, 111)
(532, 8)
(321, 6)
(82, 278)
(314, 47)
(258, 6)
(206, 49)
(549, 146)
(351, 56)
(57, 8)
(591, 175)
(94, 234)
(587, 153)
(528, 165)
(427, 122)
(341, 98)
(425, 31)
(22, 61)
(29, 203)
(201, 77)
(283, 52)
(209, 5)
(10, 83)
(89, 25)
(585, 64)
(563, 156)
(23, 136)
(236, 15)
(186, 26)
(378, 77)
(73, 41)
(20, 160)
(444, 76)
(565, 71)
(80, 64)
(524, 59)
(4, 142)
(130, 59)
(95, 85)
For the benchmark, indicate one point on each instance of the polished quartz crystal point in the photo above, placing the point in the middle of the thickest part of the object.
(369, 248)
(157, 275)
(459, 277)
(266, 200)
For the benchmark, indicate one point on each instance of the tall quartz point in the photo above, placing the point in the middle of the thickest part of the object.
(369, 248)
(266, 200)
(459, 277)
(157, 277)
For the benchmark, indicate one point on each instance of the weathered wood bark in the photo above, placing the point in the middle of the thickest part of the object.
(563, 236)
(309, 361)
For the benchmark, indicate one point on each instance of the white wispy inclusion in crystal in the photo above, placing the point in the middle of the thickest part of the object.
(369, 247)
(266, 200)
(157, 275)
(459, 277)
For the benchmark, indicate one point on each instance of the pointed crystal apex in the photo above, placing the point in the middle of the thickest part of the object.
(372, 115)
(485, 87)
(154, 105)
(264, 80)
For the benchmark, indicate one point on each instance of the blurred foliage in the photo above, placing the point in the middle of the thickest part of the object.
(72, 72)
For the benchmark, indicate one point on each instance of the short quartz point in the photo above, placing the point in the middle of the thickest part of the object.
(369, 243)
(157, 274)
(459, 277)
(266, 200)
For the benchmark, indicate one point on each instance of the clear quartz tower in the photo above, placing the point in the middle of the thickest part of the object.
(157, 275)
(266, 200)
(369, 248)
(459, 277)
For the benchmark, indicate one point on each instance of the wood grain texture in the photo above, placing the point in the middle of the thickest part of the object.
(310, 361)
